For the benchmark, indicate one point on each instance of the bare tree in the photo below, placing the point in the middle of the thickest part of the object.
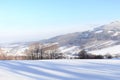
(34, 51)
(2, 54)
(40, 51)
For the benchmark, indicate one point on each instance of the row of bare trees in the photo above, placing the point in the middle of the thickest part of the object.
(34, 52)
(40, 51)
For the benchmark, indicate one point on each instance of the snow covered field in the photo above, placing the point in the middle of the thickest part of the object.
(60, 70)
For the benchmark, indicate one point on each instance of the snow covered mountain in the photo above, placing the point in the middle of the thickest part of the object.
(98, 38)
(97, 41)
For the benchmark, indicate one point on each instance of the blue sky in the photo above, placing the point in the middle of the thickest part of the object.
(24, 20)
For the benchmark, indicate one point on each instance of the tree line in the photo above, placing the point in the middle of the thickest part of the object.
(37, 51)
(84, 55)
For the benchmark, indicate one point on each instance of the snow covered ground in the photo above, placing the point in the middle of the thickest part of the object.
(60, 70)
(110, 50)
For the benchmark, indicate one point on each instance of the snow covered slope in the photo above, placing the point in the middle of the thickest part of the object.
(109, 50)
(60, 70)
(98, 40)
(69, 49)
(100, 37)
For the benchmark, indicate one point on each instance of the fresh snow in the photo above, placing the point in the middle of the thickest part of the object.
(110, 31)
(99, 31)
(69, 49)
(110, 50)
(60, 70)
(116, 34)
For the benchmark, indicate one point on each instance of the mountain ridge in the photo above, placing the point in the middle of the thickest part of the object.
(98, 38)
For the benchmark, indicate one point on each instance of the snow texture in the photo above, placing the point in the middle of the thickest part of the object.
(110, 50)
(60, 70)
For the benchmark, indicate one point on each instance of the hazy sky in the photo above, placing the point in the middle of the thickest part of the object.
(24, 20)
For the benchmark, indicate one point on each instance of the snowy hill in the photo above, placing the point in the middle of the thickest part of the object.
(99, 40)
(60, 70)
(101, 37)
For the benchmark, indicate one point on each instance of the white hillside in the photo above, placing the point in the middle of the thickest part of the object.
(69, 49)
(111, 50)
